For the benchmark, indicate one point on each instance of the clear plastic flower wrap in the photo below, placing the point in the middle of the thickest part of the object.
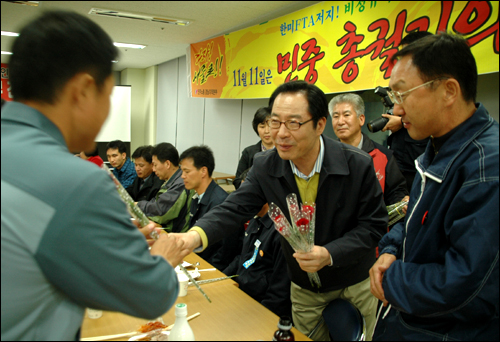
(132, 208)
(395, 212)
(300, 234)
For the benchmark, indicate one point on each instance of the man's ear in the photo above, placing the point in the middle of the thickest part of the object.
(452, 91)
(79, 92)
(204, 171)
(361, 120)
(81, 88)
(320, 127)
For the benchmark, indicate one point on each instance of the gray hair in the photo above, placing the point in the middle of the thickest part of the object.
(353, 99)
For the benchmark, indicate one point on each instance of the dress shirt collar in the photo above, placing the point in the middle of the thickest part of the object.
(199, 197)
(317, 165)
(360, 145)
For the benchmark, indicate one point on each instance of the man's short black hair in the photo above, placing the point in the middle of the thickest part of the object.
(202, 156)
(52, 49)
(117, 144)
(318, 105)
(145, 152)
(166, 151)
(261, 115)
(414, 36)
(444, 55)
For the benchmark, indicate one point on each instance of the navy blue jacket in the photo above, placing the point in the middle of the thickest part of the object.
(223, 252)
(351, 216)
(266, 280)
(444, 284)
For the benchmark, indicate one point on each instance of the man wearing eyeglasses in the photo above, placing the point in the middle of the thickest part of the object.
(437, 274)
(350, 211)
(405, 149)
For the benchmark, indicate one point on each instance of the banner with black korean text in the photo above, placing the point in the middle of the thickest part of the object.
(339, 46)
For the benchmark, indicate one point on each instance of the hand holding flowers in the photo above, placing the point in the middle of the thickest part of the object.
(300, 235)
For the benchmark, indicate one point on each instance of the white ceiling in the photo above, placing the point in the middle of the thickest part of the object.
(164, 42)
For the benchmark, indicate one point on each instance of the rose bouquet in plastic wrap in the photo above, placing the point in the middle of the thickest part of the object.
(139, 215)
(132, 208)
(395, 212)
(300, 234)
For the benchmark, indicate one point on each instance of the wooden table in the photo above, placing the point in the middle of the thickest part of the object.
(232, 315)
(228, 187)
(222, 176)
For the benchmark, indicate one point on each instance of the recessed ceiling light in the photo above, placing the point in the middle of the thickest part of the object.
(132, 46)
(10, 34)
(29, 3)
(136, 16)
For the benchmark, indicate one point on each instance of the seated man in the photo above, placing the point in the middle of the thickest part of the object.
(261, 266)
(170, 207)
(147, 183)
(348, 116)
(197, 164)
(116, 151)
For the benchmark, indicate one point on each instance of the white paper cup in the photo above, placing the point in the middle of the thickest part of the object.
(93, 313)
(183, 284)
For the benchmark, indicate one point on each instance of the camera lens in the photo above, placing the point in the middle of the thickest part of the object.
(377, 124)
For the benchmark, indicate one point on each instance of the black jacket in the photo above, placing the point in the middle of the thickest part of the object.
(266, 280)
(393, 180)
(148, 191)
(406, 149)
(351, 216)
(246, 161)
(223, 252)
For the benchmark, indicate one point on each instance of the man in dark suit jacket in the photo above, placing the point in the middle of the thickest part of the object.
(147, 183)
(350, 212)
(197, 164)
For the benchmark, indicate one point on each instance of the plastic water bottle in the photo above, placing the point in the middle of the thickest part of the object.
(181, 330)
(283, 333)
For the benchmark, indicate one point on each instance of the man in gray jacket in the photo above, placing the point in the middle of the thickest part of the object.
(67, 240)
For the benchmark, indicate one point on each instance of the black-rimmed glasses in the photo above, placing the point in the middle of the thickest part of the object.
(291, 125)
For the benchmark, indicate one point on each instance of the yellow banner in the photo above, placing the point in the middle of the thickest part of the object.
(339, 46)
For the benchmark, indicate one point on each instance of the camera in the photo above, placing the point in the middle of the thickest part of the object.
(377, 124)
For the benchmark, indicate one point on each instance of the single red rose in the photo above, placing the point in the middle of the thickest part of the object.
(308, 209)
(302, 222)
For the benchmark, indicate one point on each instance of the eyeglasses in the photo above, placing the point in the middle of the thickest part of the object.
(397, 97)
(291, 125)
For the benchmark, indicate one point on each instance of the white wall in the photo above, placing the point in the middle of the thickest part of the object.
(223, 125)
(144, 85)
(166, 127)
(150, 103)
(487, 93)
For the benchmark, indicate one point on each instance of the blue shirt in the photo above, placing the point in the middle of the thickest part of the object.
(126, 175)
